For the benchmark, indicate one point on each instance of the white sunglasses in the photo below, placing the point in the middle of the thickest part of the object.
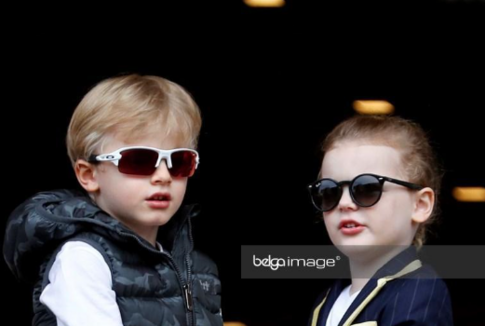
(142, 160)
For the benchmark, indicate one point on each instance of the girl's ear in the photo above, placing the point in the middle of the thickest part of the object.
(423, 205)
(86, 175)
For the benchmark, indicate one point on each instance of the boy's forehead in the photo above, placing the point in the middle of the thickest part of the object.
(151, 139)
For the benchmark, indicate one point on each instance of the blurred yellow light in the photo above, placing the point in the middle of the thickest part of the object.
(373, 107)
(234, 323)
(469, 194)
(265, 3)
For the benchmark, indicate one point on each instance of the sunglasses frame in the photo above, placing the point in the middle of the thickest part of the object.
(115, 157)
(350, 183)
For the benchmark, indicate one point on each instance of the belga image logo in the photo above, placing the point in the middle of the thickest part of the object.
(276, 263)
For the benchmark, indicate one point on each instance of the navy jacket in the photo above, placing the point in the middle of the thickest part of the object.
(401, 293)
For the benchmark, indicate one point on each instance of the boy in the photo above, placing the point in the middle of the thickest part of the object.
(101, 259)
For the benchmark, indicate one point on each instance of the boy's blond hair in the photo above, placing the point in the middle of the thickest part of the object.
(132, 107)
(418, 158)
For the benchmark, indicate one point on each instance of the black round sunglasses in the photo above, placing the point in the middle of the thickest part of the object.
(365, 190)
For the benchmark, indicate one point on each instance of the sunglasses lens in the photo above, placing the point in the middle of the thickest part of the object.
(183, 164)
(366, 190)
(326, 195)
(138, 161)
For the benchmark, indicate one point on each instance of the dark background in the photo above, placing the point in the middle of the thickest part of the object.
(266, 102)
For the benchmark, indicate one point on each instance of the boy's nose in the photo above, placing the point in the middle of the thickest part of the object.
(162, 174)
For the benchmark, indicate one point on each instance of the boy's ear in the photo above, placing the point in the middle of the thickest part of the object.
(423, 206)
(86, 175)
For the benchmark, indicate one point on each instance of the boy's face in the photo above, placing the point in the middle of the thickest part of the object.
(126, 197)
(389, 221)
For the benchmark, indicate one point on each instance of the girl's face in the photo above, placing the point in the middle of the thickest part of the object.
(390, 220)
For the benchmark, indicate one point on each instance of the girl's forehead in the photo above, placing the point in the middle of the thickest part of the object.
(351, 158)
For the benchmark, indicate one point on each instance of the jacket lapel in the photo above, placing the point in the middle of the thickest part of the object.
(403, 263)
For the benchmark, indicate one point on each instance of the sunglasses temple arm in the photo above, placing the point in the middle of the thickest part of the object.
(404, 183)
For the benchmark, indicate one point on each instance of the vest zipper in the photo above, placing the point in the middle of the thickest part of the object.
(186, 289)
(187, 263)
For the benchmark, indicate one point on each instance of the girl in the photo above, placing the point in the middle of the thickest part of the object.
(377, 190)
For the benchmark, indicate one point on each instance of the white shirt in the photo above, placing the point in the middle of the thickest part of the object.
(80, 289)
(340, 306)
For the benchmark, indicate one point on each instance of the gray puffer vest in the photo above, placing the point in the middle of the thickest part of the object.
(176, 287)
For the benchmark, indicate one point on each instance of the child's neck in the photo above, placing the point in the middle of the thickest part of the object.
(368, 267)
(149, 234)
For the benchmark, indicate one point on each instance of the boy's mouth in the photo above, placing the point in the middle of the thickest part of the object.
(159, 200)
(160, 196)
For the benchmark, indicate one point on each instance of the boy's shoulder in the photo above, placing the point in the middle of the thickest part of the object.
(39, 225)
(203, 264)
